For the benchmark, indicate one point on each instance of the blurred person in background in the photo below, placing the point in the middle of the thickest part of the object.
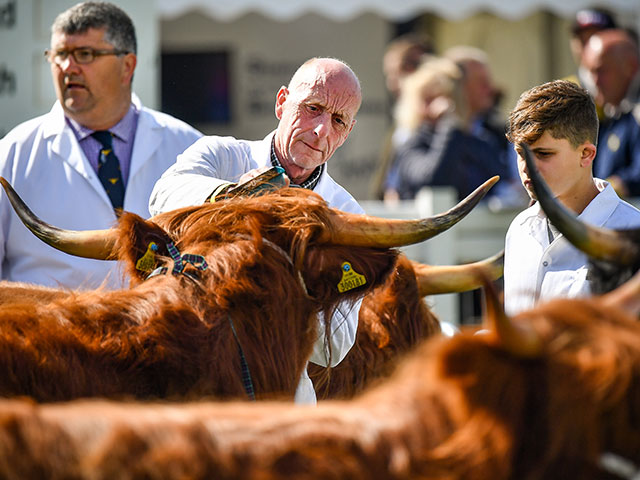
(587, 22)
(611, 57)
(481, 118)
(59, 162)
(478, 91)
(403, 56)
(441, 151)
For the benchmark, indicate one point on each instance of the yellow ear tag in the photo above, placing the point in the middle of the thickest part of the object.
(147, 262)
(350, 278)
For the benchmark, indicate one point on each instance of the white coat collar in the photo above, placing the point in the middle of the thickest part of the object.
(261, 150)
(602, 206)
(55, 123)
(596, 213)
(145, 144)
(65, 146)
(147, 140)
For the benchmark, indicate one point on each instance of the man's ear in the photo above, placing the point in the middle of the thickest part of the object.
(128, 66)
(281, 97)
(587, 154)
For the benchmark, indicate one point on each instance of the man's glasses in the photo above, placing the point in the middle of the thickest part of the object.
(81, 55)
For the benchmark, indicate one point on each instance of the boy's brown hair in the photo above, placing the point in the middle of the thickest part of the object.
(562, 108)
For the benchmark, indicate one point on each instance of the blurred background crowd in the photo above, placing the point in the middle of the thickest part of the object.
(438, 80)
(448, 130)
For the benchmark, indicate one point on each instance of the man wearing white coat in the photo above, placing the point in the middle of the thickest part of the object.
(316, 113)
(53, 160)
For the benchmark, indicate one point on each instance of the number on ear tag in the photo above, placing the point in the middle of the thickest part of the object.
(147, 262)
(350, 278)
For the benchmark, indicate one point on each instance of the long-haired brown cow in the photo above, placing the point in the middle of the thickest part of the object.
(552, 394)
(393, 319)
(250, 277)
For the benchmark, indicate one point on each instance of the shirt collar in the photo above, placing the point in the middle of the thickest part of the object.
(310, 183)
(122, 130)
(602, 206)
(596, 213)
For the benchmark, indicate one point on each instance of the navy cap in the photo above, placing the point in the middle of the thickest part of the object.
(592, 18)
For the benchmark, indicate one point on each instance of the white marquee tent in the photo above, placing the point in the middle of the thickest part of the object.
(397, 10)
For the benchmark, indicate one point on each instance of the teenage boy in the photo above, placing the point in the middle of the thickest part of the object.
(558, 122)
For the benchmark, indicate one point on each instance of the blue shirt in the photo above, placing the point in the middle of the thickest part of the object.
(445, 156)
(619, 150)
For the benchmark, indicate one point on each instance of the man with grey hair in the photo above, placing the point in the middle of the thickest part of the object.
(478, 90)
(316, 113)
(480, 118)
(97, 152)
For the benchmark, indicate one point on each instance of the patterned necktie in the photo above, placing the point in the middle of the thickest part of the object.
(109, 169)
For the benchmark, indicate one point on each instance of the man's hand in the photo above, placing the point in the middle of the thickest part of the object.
(259, 171)
(259, 181)
(253, 182)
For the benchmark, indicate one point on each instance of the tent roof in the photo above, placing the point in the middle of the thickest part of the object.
(396, 10)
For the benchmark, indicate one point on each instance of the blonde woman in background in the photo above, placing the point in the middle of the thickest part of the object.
(426, 97)
(439, 150)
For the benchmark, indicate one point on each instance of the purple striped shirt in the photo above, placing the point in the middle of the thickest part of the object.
(124, 132)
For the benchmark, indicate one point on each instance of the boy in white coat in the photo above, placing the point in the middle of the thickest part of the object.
(558, 122)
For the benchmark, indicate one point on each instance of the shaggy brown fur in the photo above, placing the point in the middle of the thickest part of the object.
(171, 337)
(393, 320)
(19, 292)
(457, 408)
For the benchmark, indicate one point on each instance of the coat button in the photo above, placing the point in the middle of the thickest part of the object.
(545, 263)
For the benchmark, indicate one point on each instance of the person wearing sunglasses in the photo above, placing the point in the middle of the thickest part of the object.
(96, 153)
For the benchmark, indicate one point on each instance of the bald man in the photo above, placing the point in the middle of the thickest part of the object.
(316, 114)
(611, 57)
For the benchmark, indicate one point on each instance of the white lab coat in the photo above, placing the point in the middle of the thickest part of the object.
(536, 271)
(45, 164)
(214, 160)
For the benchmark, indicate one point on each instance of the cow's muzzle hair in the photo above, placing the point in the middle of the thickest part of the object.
(343, 228)
(619, 247)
